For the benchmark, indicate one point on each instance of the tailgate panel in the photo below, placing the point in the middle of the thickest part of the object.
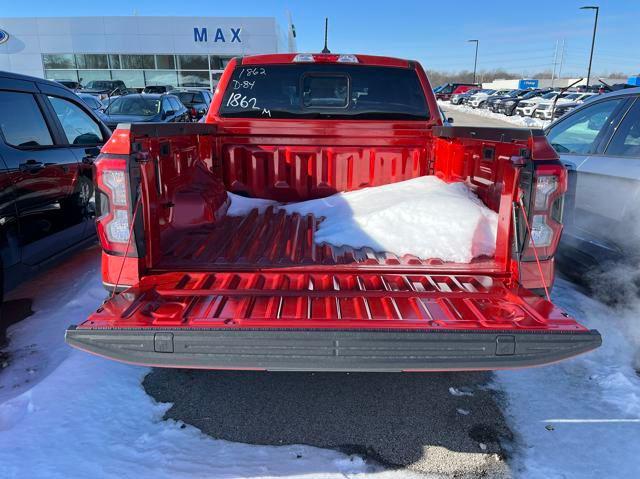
(324, 300)
(330, 322)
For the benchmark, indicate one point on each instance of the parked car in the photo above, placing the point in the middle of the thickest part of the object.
(461, 98)
(479, 99)
(205, 289)
(599, 142)
(157, 89)
(103, 89)
(196, 101)
(528, 107)
(138, 107)
(508, 105)
(545, 109)
(49, 139)
(70, 84)
(495, 100)
(449, 89)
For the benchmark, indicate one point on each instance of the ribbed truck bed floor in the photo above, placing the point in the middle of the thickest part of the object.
(273, 239)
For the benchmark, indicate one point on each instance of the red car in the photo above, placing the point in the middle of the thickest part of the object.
(445, 91)
(202, 289)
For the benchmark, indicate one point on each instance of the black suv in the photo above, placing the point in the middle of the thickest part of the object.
(196, 101)
(103, 89)
(508, 105)
(48, 140)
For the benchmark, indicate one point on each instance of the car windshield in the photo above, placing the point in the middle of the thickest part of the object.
(572, 96)
(550, 96)
(134, 106)
(190, 97)
(325, 91)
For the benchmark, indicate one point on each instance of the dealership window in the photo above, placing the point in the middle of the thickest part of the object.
(159, 77)
(165, 62)
(136, 71)
(114, 61)
(137, 62)
(131, 78)
(224, 62)
(192, 78)
(85, 76)
(92, 61)
(61, 75)
(59, 61)
(193, 62)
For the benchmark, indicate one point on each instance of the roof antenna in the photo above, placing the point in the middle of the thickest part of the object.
(326, 30)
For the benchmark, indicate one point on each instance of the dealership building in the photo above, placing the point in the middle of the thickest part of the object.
(178, 51)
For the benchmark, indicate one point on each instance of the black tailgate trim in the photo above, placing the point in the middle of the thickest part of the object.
(332, 350)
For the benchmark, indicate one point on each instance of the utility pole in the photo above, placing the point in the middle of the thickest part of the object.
(555, 63)
(475, 62)
(593, 39)
(561, 60)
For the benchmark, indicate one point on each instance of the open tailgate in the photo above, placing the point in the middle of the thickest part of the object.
(331, 321)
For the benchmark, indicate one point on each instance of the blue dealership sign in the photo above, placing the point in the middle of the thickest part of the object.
(635, 81)
(4, 36)
(202, 35)
(523, 84)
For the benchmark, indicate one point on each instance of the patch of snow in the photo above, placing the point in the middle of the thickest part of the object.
(581, 417)
(82, 416)
(515, 119)
(460, 392)
(241, 205)
(424, 216)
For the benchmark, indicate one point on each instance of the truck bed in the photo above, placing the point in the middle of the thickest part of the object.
(276, 239)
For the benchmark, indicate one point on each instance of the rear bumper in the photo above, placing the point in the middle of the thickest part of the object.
(332, 350)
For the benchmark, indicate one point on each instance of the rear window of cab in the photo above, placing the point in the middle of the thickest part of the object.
(325, 91)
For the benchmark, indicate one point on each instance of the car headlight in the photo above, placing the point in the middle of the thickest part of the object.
(509, 103)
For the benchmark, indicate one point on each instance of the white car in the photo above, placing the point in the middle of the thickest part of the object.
(544, 110)
(479, 99)
(528, 107)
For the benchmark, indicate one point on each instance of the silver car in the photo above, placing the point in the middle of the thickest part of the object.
(599, 142)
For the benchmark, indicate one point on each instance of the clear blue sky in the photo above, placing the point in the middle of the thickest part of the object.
(517, 35)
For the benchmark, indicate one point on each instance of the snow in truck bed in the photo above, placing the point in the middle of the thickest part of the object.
(424, 216)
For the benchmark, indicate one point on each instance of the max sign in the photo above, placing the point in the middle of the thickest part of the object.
(231, 36)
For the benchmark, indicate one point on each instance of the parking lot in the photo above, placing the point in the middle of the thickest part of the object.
(319, 242)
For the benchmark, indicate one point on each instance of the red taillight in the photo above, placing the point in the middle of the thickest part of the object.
(545, 211)
(194, 113)
(114, 222)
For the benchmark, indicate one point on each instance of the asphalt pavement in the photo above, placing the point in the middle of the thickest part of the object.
(469, 119)
(449, 424)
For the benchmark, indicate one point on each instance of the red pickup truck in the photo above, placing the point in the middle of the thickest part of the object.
(197, 288)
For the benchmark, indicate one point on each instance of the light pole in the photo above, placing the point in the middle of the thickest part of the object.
(593, 40)
(475, 62)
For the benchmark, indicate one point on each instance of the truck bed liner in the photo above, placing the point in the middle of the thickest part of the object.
(275, 239)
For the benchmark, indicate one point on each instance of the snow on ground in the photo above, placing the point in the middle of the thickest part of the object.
(516, 119)
(580, 418)
(425, 216)
(81, 416)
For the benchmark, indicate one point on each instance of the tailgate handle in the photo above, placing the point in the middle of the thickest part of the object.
(163, 342)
